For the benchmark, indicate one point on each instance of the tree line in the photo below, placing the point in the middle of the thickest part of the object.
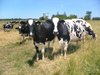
(64, 16)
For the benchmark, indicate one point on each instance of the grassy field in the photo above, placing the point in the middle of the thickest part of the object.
(19, 59)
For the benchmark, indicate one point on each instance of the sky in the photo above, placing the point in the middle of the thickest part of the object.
(35, 8)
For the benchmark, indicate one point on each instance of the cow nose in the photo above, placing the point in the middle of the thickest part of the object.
(31, 34)
(55, 33)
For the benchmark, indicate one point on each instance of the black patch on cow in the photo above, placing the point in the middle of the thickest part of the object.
(63, 31)
(78, 21)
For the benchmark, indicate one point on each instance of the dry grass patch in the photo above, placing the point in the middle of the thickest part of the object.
(9, 37)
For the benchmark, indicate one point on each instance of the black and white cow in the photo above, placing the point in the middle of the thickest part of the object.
(23, 28)
(88, 28)
(67, 31)
(6, 27)
(26, 27)
(43, 32)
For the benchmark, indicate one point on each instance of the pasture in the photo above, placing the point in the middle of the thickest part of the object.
(19, 59)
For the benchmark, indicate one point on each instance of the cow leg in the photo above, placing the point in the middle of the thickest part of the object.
(43, 50)
(84, 38)
(61, 46)
(37, 57)
(23, 36)
(65, 49)
(48, 45)
(54, 44)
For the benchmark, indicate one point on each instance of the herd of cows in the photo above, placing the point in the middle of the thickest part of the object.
(64, 30)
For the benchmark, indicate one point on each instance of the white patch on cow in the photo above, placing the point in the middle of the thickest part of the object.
(30, 21)
(61, 42)
(19, 27)
(43, 51)
(55, 21)
(37, 44)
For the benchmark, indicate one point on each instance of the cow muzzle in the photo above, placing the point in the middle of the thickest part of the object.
(31, 35)
(55, 33)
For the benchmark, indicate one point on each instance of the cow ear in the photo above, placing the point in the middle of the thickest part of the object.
(62, 21)
(37, 23)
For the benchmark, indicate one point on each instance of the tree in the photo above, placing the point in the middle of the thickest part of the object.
(96, 18)
(42, 18)
(88, 15)
(72, 16)
(64, 14)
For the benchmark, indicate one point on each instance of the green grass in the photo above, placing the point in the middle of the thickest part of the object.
(19, 59)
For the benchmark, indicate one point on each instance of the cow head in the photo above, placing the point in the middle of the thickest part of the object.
(21, 28)
(55, 21)
(31, 24)
(90, 31)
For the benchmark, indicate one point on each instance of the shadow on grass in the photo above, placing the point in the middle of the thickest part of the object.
(50, 54)
(24, 41)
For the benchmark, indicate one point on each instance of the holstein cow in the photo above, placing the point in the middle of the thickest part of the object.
(67, 31)
(26, 27)
(6, 27)
(77, 31)
(43, 32)
(88, 28)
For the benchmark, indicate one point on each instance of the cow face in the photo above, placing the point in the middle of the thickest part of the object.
(19, 28)
(31, 23)
(90, 31)
(55, 21)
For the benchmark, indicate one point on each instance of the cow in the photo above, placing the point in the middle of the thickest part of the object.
(77, 31)
(6, 27)
(67, 31)
(24, 27)
(88, 28)
(43, 32)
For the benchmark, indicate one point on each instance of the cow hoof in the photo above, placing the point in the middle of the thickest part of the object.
(43, 59)
(61, 54)
(64, 58)
(37, 59)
